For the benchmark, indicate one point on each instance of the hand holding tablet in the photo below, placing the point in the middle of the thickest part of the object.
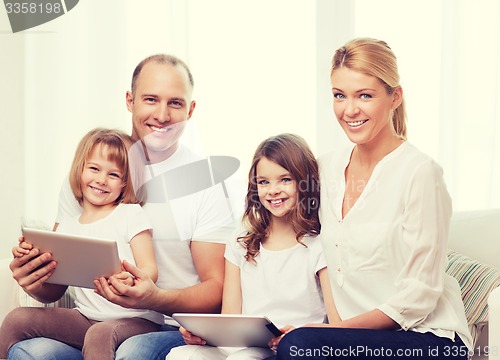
(232, 330)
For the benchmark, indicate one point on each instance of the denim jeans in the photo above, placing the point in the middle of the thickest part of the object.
(151, 346)
(43, 349)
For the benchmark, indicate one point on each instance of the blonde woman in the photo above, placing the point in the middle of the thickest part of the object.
(385, 212)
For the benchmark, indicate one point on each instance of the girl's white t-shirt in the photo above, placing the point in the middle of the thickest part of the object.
(282, 285)
(203, 216)
(121, 225)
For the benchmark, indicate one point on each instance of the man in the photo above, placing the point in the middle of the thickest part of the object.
(189, 231)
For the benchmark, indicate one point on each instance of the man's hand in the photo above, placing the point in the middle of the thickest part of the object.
(137, 296)
(32, 269)
(144, 294)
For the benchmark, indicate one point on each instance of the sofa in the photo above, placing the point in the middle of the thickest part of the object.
(473, 259)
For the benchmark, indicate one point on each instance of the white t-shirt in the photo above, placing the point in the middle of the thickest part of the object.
(389, 252)
(283, 285)
(202, 216)
(121, 225)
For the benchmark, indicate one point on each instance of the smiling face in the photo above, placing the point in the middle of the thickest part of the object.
(363, 106)
(276, 188)
(160, 108)
(101, 179)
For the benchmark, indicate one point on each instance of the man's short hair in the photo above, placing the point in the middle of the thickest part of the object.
(161, 59)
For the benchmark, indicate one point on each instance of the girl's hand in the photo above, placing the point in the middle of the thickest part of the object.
(123, 277)
(191, 339)
(143, 295)
(273, 343)
(22, 249)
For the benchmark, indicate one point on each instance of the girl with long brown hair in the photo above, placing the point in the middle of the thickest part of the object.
(276, 266)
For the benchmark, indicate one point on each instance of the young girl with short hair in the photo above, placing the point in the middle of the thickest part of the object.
(100, 179)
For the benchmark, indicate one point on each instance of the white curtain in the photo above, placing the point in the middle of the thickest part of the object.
(261, 67)
(470, 101)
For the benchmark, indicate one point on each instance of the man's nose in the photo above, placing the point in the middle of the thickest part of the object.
(162, 113)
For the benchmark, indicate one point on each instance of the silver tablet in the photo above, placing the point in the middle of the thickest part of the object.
(232, 330)
(79, 259)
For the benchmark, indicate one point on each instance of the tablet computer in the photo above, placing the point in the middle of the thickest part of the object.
(80, 259)
(232, 330)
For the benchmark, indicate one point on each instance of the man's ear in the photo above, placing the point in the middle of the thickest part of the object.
(129, 100)
(191, 108)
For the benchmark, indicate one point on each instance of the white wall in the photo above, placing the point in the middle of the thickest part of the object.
(59, 80)
(12, 183)
(449, 61)
(256, 71)
(254, 77)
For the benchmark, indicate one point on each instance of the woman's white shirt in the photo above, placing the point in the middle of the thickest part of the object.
(389, 251)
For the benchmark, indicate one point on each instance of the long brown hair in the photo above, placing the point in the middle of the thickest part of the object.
(291, 152)
(374, 58)
(113, 142)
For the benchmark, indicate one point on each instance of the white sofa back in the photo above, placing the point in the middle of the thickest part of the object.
(477, 235)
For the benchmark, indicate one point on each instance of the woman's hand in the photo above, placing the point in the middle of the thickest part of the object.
(273, 343)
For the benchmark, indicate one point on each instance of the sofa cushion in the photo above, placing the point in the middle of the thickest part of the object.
(476, 281)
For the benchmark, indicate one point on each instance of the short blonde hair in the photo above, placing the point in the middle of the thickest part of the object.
(374, 58)
(114, 142)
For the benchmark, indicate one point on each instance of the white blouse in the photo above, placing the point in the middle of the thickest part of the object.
(389, 252)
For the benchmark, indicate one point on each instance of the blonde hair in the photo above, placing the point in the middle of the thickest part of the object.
(114, 142)
(374, 58)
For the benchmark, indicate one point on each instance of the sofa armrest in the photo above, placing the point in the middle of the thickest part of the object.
(494, 324)
(8, 288)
